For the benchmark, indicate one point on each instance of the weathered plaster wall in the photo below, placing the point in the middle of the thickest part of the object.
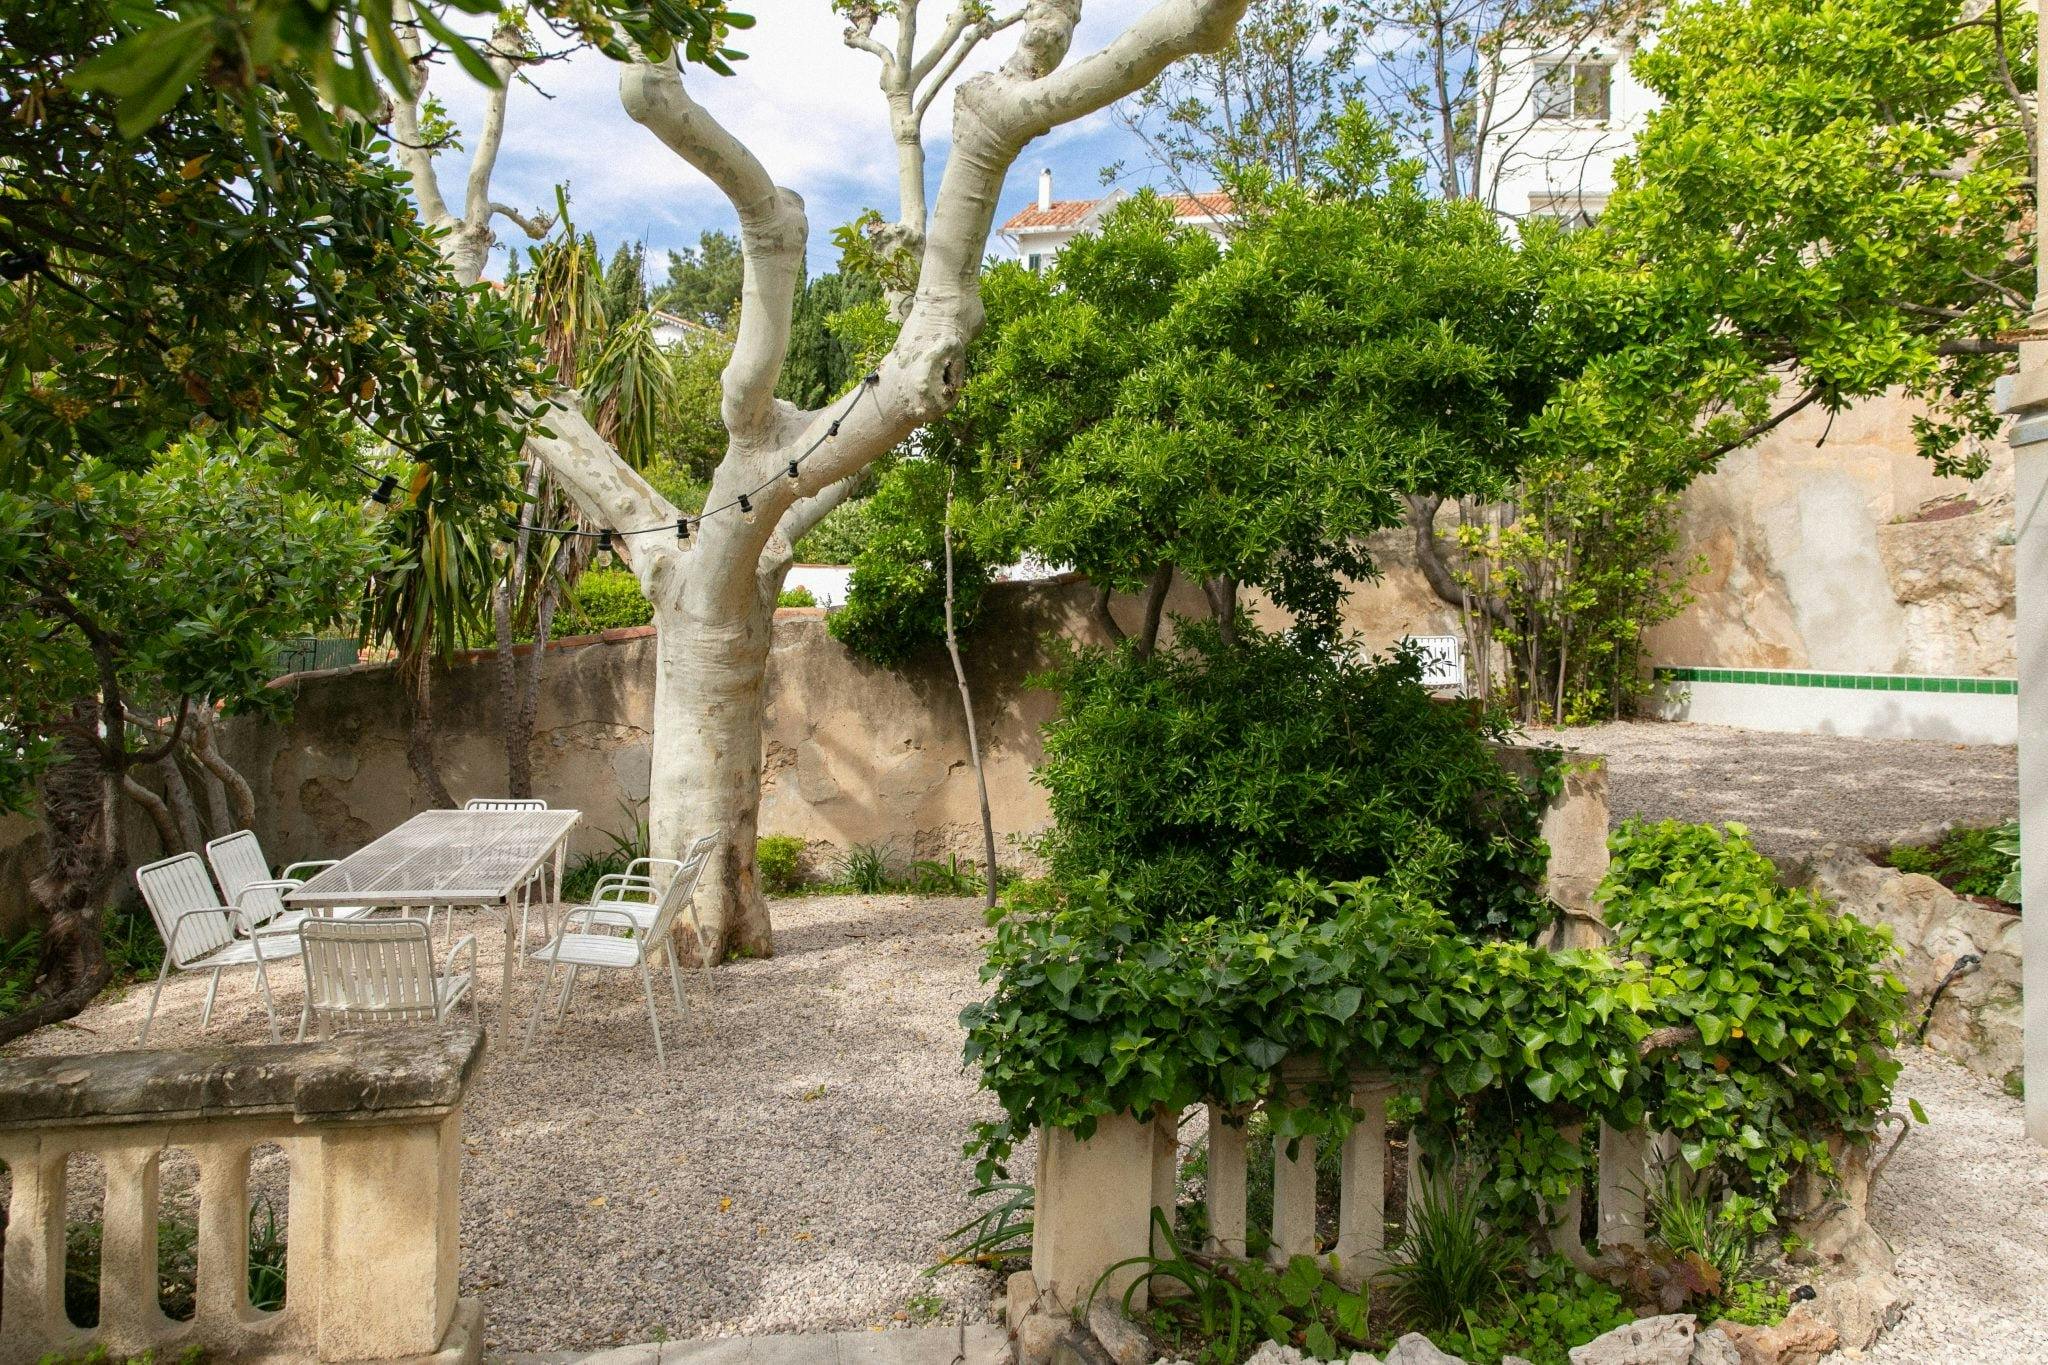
(1818, 554)
(853, 753)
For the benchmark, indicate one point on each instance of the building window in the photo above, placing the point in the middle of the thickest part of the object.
(1034, 262)
(1574, 90)
(1571, 212)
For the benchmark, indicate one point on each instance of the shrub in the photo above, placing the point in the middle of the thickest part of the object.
(1449, 1263)
(603, 599)
(1200, 778)
(866, 868)
(1971, 862)
(1787, 1008)
(779, 858)
(796, 597)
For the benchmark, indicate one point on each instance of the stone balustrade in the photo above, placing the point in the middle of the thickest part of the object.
(371, 1128)
(1096, 1197)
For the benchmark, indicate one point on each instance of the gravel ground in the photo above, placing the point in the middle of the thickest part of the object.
(795, 1170)
(1796, 792)
(1965, 1206)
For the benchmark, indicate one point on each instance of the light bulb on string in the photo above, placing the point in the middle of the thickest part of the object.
(682, 528)
(792, 471)
(386, 486)
(604, 542)
(746, 509)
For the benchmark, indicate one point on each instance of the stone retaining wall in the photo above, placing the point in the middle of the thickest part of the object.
(1977, 1020)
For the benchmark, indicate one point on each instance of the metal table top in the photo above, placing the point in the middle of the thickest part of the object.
(443, 857)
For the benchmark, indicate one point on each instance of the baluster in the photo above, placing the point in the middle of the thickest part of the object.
(223, 1295)
(130, 1316)
(1418, 1177)
(1226, 1185)
(32, 1300)
(1624, 1186)
(1362, 1201)
(1165, 1191)
(1294, 1201)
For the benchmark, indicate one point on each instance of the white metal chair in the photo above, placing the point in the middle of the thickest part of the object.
(540, 875)
(380, 972)
(244, 876)
(650, 927)
(200, 934)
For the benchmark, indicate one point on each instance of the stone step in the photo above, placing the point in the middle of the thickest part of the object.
(982, 1344)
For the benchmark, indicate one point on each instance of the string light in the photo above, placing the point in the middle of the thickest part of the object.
(743, 503)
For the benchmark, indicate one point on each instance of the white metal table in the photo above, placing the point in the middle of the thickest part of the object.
(450, 858)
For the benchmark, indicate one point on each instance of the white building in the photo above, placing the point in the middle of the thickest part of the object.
(671, 329)
(1037, 233)
(1561, 116)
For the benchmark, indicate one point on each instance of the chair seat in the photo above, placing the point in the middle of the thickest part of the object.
(290, 920)
(242, 952)
(590, 950)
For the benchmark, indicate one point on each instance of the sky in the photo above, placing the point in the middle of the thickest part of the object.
(804, 102)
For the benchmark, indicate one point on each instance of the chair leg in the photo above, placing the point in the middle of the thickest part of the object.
(154, 996)
(206, 1014)
(269, 1001)
(675, 982)
(540, 1002)
(305, 1017)
(568, 985)
(654, 1018)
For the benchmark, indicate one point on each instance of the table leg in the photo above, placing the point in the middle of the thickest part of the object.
(512, 949)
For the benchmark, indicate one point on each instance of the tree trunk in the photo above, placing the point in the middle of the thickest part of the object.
(526, 714)
(419, 745)
(988, 824)
(709, 696)
(205, 739)
(82, 825)
(1155, 608)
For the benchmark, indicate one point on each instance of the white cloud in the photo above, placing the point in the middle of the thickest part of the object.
(803, 101)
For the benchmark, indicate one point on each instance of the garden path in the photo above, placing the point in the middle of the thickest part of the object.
(1796, 792)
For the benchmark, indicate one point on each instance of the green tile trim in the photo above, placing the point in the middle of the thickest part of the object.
(1860, 682)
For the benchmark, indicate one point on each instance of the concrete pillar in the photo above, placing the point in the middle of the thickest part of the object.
(2026, 397)
(1094, 1208)
(2030, 593)
(130, 1319)
(388, 1242)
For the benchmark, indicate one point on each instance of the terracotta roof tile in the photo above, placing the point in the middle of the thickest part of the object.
(1065, 213)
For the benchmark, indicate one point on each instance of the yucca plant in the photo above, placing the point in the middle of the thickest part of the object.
(629, 382)
(1685, 1217)
(1449, 1265)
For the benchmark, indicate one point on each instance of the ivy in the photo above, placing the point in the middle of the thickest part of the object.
(1508, 1050)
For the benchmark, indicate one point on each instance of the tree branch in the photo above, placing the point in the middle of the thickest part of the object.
(772, 235)
(607, 490)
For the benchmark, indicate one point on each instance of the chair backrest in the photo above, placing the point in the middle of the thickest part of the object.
(238, 862)
(369, 971)
(681, 888)
(174, 887)
(504, 803)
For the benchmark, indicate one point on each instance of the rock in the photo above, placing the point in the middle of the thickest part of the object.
(1076, 1347)
(1039, 1334)
(1859, 1307)
(1022, 1288)
(1801, 1339)
(1711, 1347)
(1122, 1340)
(1666, 1340)
(1417, 1349)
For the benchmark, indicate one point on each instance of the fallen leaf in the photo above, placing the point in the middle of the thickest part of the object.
(725, 1204)
(598, 1202)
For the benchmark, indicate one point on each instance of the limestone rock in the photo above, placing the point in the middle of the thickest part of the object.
(1122, 1340)
(1665, 1340)
(1039, 1335)
(1417, 1349)
(1801, 1339)
(1712, 1347)
(1859, 1307)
